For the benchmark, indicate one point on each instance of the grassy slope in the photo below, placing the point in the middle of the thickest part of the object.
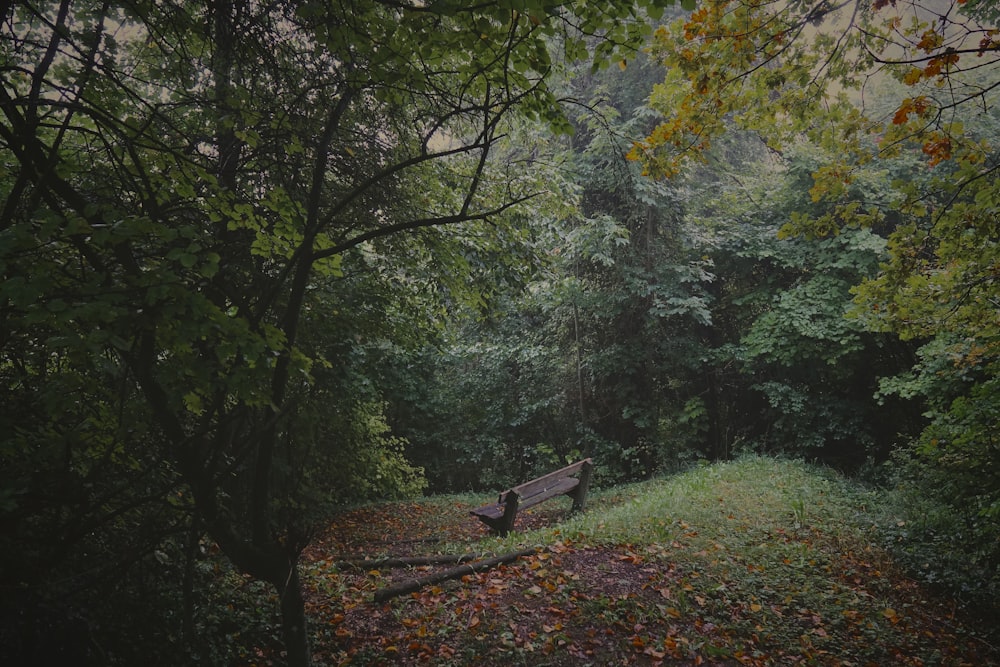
(756, 562)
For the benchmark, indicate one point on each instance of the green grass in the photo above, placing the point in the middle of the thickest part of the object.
(737, 503)
(767, 546)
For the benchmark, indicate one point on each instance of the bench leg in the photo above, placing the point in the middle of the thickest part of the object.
(506, 523)
(580, 492)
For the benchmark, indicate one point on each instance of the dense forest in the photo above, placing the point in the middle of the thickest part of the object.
(261, 261)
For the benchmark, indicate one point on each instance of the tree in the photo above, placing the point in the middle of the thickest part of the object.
(799, 375)
(633, 298)
(596, 353)
(182, 181)
(824, 71)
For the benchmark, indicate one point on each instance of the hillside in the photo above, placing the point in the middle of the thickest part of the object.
(757, 562)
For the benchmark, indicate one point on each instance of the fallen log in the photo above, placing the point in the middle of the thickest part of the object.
(404, 561)
(412, 585)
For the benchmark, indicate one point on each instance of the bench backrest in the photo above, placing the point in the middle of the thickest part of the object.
(537, 485)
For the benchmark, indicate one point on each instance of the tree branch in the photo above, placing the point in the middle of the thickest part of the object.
(417, 224)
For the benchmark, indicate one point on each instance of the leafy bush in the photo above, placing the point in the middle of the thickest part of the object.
(942, 522)
(179, 604)
(946, 481)
(356, 459)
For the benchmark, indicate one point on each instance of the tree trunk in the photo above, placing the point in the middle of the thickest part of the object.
(294, 626)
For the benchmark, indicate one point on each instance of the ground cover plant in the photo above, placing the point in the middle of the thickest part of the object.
(755, 562)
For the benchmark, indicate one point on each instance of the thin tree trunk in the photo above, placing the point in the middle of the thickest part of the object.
(294, 626)
(187, 622)
(579, 360)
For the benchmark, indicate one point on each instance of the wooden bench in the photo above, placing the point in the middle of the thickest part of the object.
(500, 516)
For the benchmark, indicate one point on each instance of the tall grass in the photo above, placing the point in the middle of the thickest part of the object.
(738, 503)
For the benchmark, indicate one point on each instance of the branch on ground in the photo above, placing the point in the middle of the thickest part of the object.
(412, 585)
(405, 561)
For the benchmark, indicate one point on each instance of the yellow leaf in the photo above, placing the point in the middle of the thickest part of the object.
(913, 76)
(622, 64)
